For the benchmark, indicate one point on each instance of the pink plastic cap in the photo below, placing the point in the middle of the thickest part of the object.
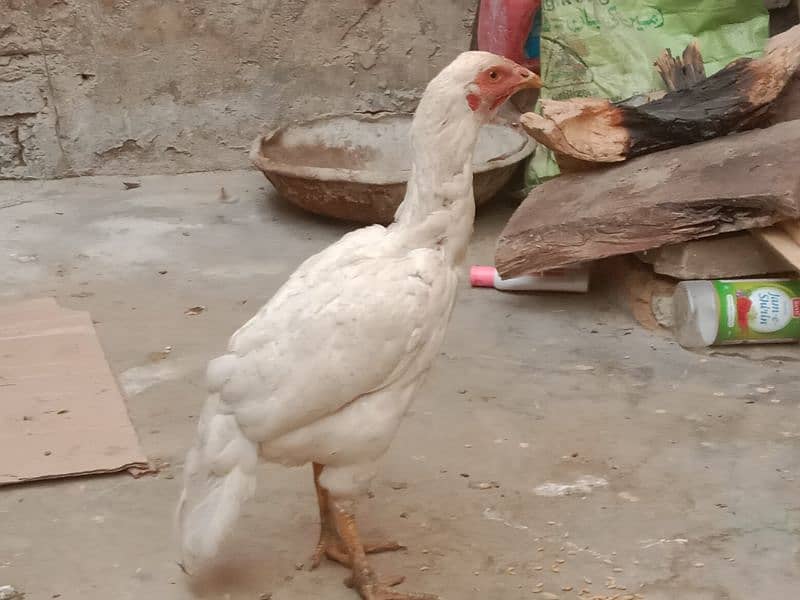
(482, 276)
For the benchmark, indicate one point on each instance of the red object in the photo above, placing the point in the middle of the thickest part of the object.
(743, 305)
(504, 26)
(796, 307)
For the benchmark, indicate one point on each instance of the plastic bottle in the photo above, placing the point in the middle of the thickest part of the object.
(736, 311)
(555, 280)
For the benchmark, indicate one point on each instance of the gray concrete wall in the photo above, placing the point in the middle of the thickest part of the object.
(124, 86)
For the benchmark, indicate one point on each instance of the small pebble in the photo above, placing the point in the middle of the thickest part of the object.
(483, 485)
(699, 565)
(617, 570)
(424, 568)
(524, 445)
(549, 596)
(566, 588)
(8, 592)
(763, 390)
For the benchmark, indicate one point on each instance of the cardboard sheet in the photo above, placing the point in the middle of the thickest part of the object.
(61, 412)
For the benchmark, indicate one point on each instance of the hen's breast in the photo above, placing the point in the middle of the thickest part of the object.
(347, 325)
(362, 430)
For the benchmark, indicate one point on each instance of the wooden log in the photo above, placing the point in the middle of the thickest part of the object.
(793, 229)
(787, 106)
(783, 239)
(732, 183)
(777, 238)
(736, 254)
(587, 131)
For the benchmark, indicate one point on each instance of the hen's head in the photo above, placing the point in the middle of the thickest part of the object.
(484, 81)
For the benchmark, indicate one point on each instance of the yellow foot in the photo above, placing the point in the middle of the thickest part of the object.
(370, 588)
(331, 546)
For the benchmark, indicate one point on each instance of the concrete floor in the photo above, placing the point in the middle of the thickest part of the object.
(696, 471)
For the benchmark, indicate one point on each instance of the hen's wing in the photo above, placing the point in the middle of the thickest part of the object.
(345, 324)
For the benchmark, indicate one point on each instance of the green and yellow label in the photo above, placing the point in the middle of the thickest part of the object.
(766, 310)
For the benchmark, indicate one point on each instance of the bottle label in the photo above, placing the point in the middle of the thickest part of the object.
(766, 310)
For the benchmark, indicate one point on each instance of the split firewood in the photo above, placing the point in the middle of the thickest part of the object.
(784, 239)
(682, 72)
(744, 181)
(586, 131)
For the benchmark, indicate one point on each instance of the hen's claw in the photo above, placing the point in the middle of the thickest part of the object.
(339, 541)
(369, 588)
(328, 542)
(331, 547)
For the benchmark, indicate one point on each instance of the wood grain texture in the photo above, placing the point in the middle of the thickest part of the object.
(793, 229)
(777, 238)
(731, 183)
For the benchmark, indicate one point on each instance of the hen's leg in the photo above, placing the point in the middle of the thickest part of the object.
(364, 578)
(330, 544)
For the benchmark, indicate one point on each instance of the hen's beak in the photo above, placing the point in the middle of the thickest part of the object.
(526, 79)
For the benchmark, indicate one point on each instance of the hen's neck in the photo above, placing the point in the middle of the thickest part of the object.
(439, 208)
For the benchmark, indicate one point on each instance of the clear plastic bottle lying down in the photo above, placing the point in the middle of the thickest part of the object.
(736, 311)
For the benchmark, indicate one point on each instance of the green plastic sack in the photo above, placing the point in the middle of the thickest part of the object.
(606, 48)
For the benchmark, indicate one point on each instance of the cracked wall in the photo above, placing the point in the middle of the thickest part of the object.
(124, 87)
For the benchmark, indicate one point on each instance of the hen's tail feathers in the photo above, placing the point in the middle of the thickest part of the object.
(219, 476)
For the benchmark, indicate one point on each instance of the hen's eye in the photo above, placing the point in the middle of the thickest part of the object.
(493, 75)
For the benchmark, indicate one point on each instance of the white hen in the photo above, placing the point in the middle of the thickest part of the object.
(325, 371)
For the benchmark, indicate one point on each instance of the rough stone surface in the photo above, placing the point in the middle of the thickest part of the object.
(114, 86)
(732, 255)
(530, 389)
